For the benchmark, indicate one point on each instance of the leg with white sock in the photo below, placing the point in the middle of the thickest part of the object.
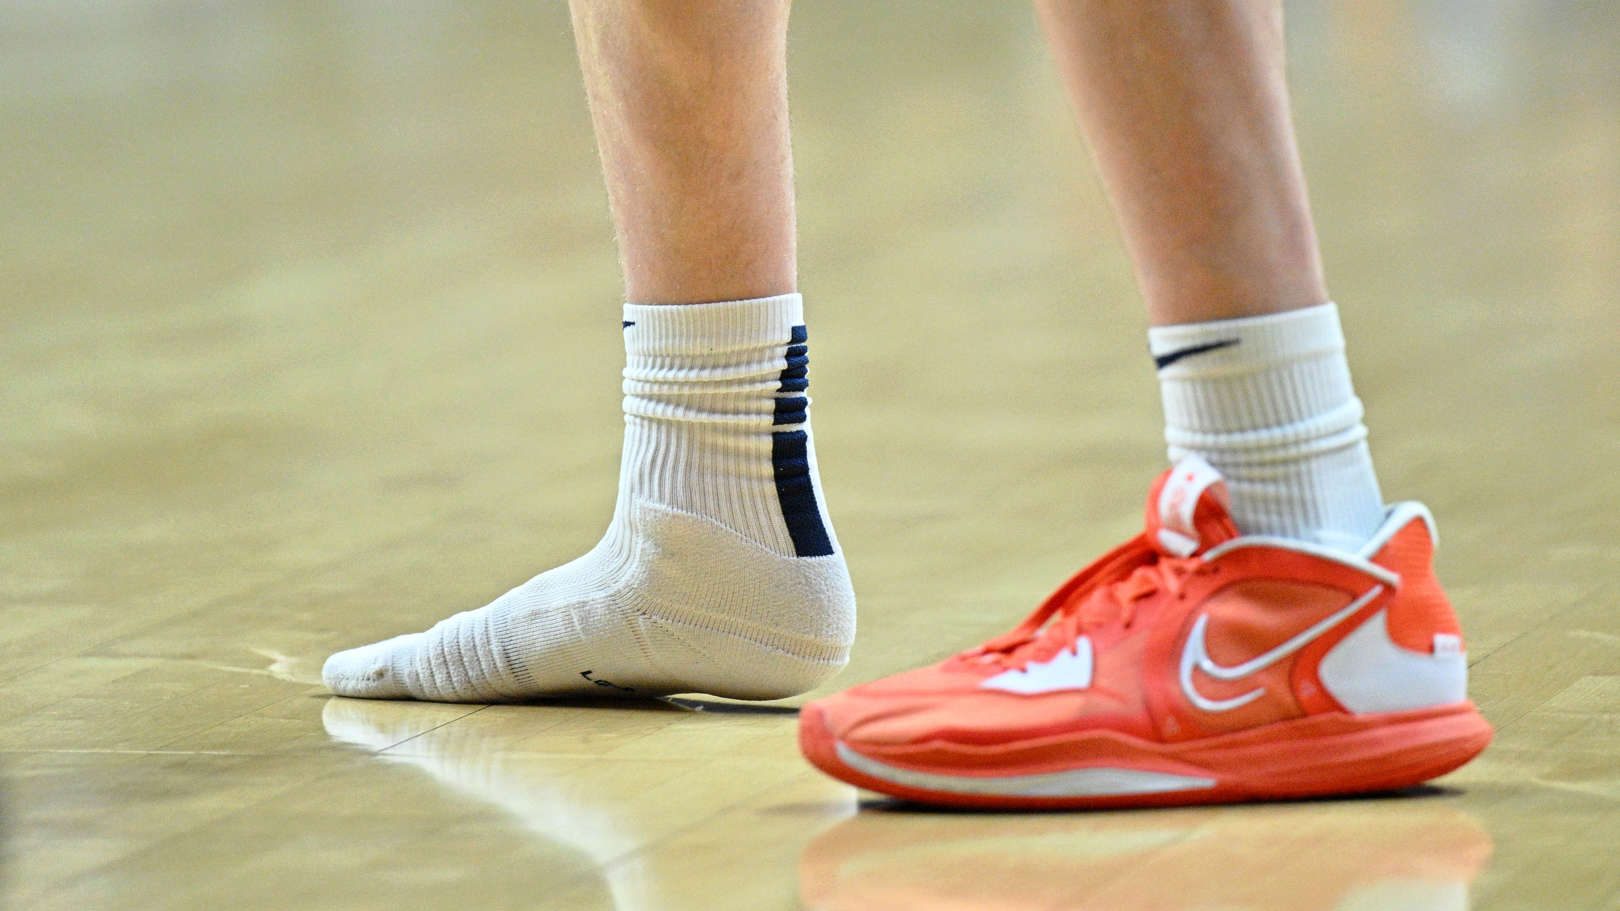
(720, 572)
(1185, 107)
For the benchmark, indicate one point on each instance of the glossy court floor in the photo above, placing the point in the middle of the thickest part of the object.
(310, 337)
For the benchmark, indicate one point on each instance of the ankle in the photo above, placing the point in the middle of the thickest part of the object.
(1268, 402)
(717, 419)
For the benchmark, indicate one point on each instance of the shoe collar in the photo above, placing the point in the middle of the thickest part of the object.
(1396, 517)
(1188, 514)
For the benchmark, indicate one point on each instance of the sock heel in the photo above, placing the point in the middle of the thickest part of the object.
(789, 621)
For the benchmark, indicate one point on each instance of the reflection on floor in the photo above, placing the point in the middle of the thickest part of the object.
(607, 807)
(1402, 853)
(1409, 852)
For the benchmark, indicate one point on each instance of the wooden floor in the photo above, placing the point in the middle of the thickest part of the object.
(308, 336)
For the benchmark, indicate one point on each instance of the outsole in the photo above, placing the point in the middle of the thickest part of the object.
(1321, 755)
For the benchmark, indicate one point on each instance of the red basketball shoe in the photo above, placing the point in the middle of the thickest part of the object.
(1190, 665)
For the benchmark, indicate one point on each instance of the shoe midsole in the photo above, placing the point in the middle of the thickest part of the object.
(1192, 765)
(1088, 782)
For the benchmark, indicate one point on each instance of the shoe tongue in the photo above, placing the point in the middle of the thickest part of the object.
(1187, 509)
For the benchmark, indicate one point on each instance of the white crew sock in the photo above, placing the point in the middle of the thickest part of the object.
(1267, 400)
(720, 572)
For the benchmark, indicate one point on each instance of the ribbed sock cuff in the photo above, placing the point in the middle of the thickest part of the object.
(673, 330)
(1262, 341)
(1253, 373)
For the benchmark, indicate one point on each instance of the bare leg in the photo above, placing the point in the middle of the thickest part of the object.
(690, 110)
(1185, 107)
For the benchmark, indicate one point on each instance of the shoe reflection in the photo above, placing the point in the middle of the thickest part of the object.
(608, 781)
(1396, 854)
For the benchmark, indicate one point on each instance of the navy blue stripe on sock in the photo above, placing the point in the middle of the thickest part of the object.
(790, 460)
(790, 453)
(791, 410)
(795, 377)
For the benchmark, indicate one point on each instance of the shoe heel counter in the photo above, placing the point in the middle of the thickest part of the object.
(1409, 655)
(1420, 616)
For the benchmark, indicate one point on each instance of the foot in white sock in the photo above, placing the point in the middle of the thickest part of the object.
(720, 572)
(1267, 400)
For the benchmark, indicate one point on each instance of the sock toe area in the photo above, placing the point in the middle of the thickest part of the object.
(369, 672)
(680, 604)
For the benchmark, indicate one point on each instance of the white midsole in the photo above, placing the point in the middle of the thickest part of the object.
(1088, 782)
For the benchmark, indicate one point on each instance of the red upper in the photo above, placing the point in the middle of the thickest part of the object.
(1137, 606)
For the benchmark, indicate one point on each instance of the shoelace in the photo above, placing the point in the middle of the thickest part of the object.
(1040, 638)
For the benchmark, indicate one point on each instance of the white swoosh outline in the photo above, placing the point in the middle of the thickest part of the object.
(1196, 654)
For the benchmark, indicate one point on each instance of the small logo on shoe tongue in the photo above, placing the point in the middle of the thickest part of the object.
(1178, 502)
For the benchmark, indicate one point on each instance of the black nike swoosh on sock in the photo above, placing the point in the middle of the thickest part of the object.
(628, 323)
(1161, 361)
